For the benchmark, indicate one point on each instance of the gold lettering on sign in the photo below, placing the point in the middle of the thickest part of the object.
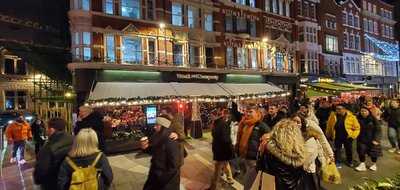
(197, 76)
(277, 24)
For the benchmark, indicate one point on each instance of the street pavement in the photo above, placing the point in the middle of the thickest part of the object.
(130, 170)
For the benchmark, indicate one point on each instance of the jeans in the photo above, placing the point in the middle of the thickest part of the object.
(251, 173)
(394, 137)
(235, 163)
(220, 166)
(21, 146)
(348, 146)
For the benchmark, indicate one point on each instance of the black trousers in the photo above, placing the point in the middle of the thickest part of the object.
(348, 146)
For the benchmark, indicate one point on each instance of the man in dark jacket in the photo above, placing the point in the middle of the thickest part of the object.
(273, 116)
(91, 119)
(166, 161)
(39, 134)
(222, 148)
(323, 113)
(52, 154)
(392, 116)
(251, 129)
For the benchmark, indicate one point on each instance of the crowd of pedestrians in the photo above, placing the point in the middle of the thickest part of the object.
(290, 144)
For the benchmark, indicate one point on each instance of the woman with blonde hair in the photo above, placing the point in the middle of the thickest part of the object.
(83, 154)
(285, 156)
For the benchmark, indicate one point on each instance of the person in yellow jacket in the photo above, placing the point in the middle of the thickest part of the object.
(343, 128)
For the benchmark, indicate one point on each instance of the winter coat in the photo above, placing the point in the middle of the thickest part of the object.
(18, 131)
(38, 132)
(351, 125)
(287, 169)
(222, 147)
(323, 116)
(164, 173)
(392, 116)
(50, 158)
(316, 146)
(94, 121)
(177, 127)
(370, 131)
(106, 175)
(253, 143)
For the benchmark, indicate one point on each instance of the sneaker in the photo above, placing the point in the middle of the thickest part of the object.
(392, 150)
(350, 164)
(338, 165)
(373, 167)
(22, 162)
(398, 152)
(13, 160)
(361, 167)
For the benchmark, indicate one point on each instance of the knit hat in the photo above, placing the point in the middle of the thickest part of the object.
(163, 122)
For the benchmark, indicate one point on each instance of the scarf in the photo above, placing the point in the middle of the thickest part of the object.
(246, 127)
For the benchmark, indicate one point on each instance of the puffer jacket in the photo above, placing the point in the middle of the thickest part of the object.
(18, 131)
(351, 125)
(392, 116)
(259, 130)
(50, 158)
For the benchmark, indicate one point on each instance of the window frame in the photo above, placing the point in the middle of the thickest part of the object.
(177, 16)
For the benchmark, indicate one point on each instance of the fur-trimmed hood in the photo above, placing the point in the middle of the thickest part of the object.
(295, 159)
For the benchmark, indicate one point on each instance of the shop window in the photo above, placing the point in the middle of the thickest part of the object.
(229, 57)
(331, 43)
(15, 100)
(228, 24)
(193, 17)
(131, 50)
(254, 60)
(150, 9)
(110, 49)
(242, 58)
(210, 57)
(253, 30)
(109, 7)
(178, 54)
(177, 16)
(208, 25)
(194, 56)
(279, 61)
(151, 44)
(130, 8)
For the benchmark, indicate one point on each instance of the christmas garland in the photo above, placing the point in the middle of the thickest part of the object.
(185, 99)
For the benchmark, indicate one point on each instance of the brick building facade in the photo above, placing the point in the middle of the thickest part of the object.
(216, 37)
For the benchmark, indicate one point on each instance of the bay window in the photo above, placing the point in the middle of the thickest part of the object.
(81, 45)
(177, 14)
(331, 43)
(130, 8)
(131, 49)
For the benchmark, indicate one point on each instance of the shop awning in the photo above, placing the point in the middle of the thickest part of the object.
(198, 89)
(314, 93)
(128, 90)
(117, 91)
(242, 89)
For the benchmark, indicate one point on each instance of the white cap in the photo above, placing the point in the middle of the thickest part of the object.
(163, 122)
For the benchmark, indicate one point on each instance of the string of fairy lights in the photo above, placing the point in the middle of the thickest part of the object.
(185, 99)
(391, 51)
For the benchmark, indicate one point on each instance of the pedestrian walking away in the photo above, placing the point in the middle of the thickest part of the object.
(39, 134)
(52, 154)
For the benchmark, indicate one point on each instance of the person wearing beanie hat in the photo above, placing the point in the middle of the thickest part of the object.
(164, 173)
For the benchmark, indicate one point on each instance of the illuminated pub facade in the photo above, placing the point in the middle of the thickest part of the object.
(206, 39)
